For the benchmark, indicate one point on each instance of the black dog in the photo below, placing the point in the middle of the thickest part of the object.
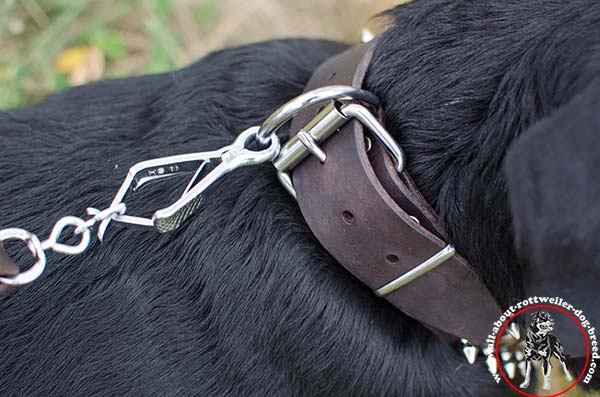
(243, 300)
(541, 345)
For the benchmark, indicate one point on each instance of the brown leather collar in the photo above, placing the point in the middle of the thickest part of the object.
(376, 223)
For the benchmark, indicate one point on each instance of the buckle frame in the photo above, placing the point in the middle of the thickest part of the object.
(321, 127)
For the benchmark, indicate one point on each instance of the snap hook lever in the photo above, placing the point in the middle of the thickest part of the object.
(207, 168)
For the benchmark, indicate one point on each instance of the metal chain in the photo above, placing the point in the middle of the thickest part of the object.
(37, 248)
(229, 158)
(207, 168)
(82, 228)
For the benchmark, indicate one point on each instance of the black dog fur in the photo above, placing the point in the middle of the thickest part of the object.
(242, 300)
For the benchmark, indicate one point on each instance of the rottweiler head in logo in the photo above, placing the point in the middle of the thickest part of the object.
(541, 345)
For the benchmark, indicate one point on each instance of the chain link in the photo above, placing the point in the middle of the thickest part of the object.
(82, 229)
(37, 249)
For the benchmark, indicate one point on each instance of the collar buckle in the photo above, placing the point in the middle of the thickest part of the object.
(345, 103)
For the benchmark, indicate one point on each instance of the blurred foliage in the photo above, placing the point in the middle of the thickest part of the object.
(48, 45)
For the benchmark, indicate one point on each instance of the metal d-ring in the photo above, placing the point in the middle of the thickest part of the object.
(339, 93)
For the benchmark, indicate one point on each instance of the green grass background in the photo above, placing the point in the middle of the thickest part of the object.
(150, 36)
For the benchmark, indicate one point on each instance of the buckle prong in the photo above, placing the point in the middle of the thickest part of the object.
(309, 142)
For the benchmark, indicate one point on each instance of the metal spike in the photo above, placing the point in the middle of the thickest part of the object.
(514, 330)
(506, 356)
(469, 351)
(366, 35)
(511, 369)
(519, 355)
(522, 367)
(492, 365)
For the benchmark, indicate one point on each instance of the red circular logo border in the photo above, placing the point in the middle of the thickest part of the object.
(542, 306)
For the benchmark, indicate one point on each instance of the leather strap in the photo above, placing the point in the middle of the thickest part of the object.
(363, 213)
(7, 267)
